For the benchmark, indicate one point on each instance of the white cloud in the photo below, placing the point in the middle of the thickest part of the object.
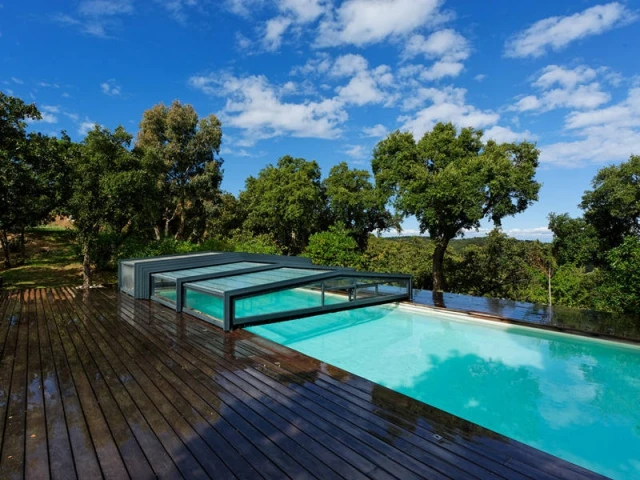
(177, 9)
(506, 135)
(560, 87)
(348, 65)
(243, 42)
(96, 17)
(303, 10)
(447, 44)
(273, 32)
(480, 77)
(318, 65)
(357, 152)
(111, 88)
(604, 135)
(256, 106)
(49, 113)
(377, 131)
(86, 126)
(448, 105)
(16, 80)
(363, 22)
(48, 85)
(555, 33)
(366, 87)
(99, 8)
(244, 8)
(73, 116)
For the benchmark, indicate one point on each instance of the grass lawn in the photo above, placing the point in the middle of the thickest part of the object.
(52, 261)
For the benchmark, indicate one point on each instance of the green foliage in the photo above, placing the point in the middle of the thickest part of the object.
(225, 216)
(243, 241)
(111, 191)
(135, 248)
(33, 173)
(574, 286)
(182, 151)
(574, 240)
(496, 269)
(613, 206)
(450, 181)
(285, 201)
(620, 291)
(410, 256)
(335, 247)
(354, 203)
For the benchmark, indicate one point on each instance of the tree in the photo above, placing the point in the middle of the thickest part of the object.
(495, 269)
(335, 247)
(355, 204)
(185, 151)
(111, 191)
(32, 173)
(613, 206)
(225, 216)
(574, 240)
(621, 289)
(285, 201)
(452, 181)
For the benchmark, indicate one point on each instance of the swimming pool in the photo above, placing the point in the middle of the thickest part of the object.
(574, 397)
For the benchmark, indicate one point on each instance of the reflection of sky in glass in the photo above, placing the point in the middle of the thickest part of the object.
(570, 396)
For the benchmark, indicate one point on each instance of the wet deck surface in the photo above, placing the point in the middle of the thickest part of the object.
(100, 385)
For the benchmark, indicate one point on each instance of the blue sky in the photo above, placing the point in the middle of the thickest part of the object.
(327, 79)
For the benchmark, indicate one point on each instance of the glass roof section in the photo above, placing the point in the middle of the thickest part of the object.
(252, 279)
(227, 267)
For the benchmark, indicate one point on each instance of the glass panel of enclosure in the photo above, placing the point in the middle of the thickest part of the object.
(213, 269)
(164, 284)
(204, 303)
(298, 298)
(318, 294)
(126, 276)
(163, 287)
(235, 282)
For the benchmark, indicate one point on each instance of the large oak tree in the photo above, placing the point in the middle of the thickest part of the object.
(186, 150)
(452, 180)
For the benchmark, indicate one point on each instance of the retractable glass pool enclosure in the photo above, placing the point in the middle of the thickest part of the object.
(238, 289)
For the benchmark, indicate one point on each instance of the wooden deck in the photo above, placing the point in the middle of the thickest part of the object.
(96, 384)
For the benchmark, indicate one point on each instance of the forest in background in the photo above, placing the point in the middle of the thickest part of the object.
(161, 192)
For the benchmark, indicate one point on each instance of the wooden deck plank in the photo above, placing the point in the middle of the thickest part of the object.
(518, 455)
(111, 462)
(261, 428)
(120, 414)
(120, 388)
(218, 433)
(12, 456)
(418, 467)
(201, 357)
(146, 397)
(36, 445)
(61, 464)
(84, 453)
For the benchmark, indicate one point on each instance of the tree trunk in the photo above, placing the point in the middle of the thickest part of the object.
(86, 266)
(438, 271)
(549, 285)
(4, 241)
(156, 230)
(22, 247)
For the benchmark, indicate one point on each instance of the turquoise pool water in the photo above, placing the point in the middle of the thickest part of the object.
(282, 301)
(573, 397)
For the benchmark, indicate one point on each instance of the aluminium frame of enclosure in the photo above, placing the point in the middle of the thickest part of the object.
(145, 269)
(142, 268)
